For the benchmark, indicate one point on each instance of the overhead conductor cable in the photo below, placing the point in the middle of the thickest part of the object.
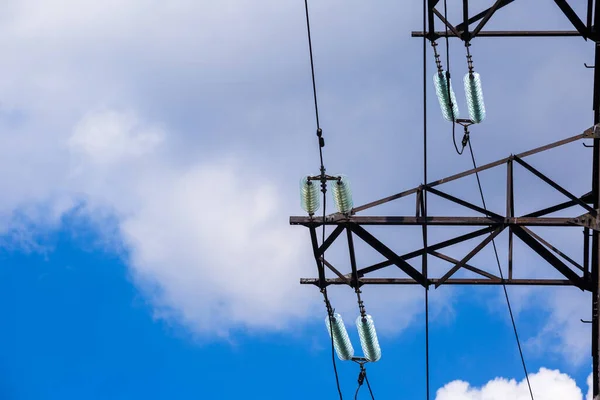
(311, 204)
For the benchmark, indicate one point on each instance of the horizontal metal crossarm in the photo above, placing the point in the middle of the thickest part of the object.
(522, 33)
(436, 221)
(458, 281)
(490, 224)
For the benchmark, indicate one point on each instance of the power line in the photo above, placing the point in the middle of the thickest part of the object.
(448, 83)
(467, 141)
(314, 84)
(425, 198)
(512, 318)
(369, 387)
(362, 377)
(329, 315)
(323, 189)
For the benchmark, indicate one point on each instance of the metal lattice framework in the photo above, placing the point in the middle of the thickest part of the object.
(585, 207)
(492, 225)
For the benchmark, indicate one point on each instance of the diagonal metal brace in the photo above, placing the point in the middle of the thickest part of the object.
(472, 254)
(463, 203)
(437, 246)
(573, 17)
(330, 239)
(555, 185)
(465, 266)
(461, 27)
(447, 23)
(335, 271)
(388, 253)
(550, 258)
(489, 12)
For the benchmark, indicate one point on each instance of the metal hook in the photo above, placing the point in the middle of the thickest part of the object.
(586, 322)
(587, 145)
(589, 66)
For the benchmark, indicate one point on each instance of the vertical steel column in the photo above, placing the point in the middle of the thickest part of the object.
(596, 203)
(510, 212)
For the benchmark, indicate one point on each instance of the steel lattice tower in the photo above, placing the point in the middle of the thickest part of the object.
(584, 276)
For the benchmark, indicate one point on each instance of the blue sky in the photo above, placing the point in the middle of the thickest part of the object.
(151, 157)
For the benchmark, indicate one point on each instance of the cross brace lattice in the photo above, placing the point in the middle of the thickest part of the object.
(490, 226)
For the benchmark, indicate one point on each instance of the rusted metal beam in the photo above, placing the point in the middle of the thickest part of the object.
(457, 281)
(439, 221)
(505, 34)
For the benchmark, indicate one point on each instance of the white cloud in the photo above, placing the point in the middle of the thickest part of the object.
(546, 385)
(128, 109)
(105, 138)
(564, 333)
(214, 92)
(207, 240)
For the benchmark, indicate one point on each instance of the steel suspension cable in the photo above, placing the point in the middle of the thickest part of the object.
(512, 318)
(323, 189)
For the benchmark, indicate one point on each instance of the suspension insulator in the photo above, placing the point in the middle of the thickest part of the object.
(368, 338)
(342, 195)
(441, 88)
(341, 340)
(474, 97)
(309, 195)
